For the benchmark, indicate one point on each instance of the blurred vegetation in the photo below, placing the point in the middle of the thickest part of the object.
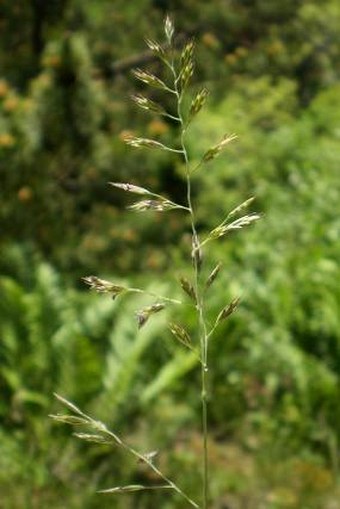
(273, 71)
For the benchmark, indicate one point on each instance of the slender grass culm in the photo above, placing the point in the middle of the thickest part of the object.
(180, 65)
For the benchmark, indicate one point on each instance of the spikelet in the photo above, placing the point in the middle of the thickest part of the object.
(188, 288)
(142, 142)
(196, 253)
(217, 149)
(238, 224)
(186, 75)
(91, 437)
(169, 29)
(187, 54)
(131, 188)
(228, 310)
(134, 487)
(144, 314)
(147, 104)
(155, 47)
(213, 275)
(149, 79)
(156, 205)
(180, 334)
(241, 207)
(198, 102)
(73, 420)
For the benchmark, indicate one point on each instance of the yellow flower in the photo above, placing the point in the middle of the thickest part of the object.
(124, 134)
(25, 194)
(210, 40)
(11, 103)
(157, 127)
(230, 58)
(52, 61)
(241, 51)
(6, 140)
(4, 88)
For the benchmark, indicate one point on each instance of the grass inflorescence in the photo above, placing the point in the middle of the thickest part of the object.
(180, 66)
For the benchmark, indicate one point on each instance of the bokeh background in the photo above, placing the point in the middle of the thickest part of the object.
(272, 67)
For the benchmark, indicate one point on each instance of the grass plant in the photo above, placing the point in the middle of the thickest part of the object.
(179, 66)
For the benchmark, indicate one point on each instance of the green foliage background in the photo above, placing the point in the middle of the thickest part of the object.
(65, 80)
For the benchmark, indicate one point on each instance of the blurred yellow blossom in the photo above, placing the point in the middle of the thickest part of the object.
(230, 58)
(11, 103)
(210, 40)
(6, 140)
(4, 88)
(25, 194)
(241, 51)
(125, 133)
(51, 61)
(157, 127)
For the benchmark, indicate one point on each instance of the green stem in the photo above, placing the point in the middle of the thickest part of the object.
(203, 335)
(204, 373)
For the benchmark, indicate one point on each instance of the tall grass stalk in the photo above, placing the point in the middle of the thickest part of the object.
(180, 65)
